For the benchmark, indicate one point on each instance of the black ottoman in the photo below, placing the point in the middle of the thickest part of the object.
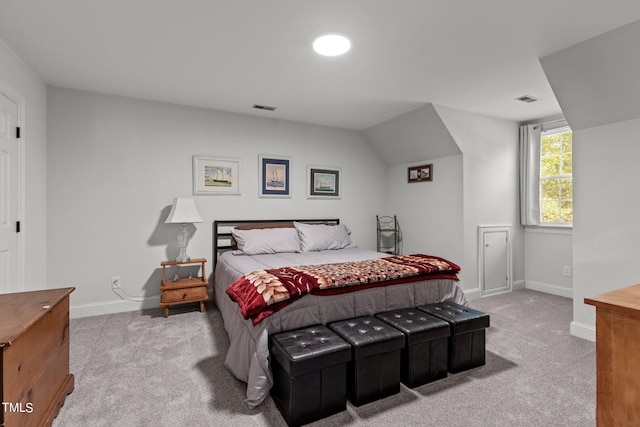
(309, 369)
(374, 369)
(467, 340)
(424, 356)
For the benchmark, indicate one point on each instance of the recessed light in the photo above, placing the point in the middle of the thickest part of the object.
(332, 44)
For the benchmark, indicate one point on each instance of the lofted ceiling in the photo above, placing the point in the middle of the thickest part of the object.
(228, 55)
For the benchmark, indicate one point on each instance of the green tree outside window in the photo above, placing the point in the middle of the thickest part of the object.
(556, 180)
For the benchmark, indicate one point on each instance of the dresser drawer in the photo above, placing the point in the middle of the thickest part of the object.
(184, 295)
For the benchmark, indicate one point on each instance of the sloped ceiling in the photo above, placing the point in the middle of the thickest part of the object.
(596, 82)
(412, 137)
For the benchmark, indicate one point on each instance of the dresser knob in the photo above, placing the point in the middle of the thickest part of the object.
(184, 295)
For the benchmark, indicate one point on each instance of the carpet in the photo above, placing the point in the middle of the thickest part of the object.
(141, 369)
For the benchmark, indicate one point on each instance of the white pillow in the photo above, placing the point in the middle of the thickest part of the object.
(266, 241)
(320, 237)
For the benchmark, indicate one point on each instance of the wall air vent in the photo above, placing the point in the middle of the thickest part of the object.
(527, 98)
(263, 107)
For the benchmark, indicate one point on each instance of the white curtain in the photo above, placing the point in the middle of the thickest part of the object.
(530, 174)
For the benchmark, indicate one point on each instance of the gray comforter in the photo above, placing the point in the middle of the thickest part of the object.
(248, 353)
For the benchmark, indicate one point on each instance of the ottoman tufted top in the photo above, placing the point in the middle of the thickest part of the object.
(309, 349)
(368, 336)
(461, 318)
(416, 325)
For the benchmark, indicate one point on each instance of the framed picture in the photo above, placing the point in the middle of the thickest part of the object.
(275, 172)
(323, 182)
(420, 173)
(214, 176)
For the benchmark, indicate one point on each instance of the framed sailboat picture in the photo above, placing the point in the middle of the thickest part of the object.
(323, 182)
(214, 175)
(275, 172)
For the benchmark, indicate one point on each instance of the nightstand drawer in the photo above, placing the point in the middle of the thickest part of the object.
(185, 294)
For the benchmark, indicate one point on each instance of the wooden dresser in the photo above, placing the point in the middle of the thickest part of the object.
(34, 344)
(617, 357)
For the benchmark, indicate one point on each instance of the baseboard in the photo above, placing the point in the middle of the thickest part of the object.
(111, 307)
(550, 289)
(518, 285)
(581, 330)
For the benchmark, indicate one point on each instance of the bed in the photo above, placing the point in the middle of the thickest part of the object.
(235, 257)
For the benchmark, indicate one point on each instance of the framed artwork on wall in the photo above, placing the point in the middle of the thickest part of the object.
(420, 173)
(323, 182)
(215, 176)
(275, 172)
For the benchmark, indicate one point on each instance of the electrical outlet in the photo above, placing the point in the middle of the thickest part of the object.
(115, 282)
(567, 270)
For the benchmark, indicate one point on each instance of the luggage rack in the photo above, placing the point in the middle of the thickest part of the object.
(389, 235)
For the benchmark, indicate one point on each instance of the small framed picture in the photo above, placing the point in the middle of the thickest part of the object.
(323, 182)
(215, 176)
(420, 173)
(275, 172)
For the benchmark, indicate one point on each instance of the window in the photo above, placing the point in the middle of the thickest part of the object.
(556, 180)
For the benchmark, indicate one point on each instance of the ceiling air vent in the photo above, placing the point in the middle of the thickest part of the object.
(527, 98)
(263, 107)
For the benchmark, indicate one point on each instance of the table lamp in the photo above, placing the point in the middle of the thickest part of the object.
(183, 212)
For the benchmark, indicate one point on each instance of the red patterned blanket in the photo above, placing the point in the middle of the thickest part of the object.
(260, 293)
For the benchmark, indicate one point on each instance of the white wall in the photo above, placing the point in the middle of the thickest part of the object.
(116, 163)
(477, 187)
(490, 184)
(606, 226)
(601, 105)
(15, 74)
(430, 213)
(547, 251)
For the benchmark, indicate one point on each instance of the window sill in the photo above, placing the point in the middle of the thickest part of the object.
(551, 229)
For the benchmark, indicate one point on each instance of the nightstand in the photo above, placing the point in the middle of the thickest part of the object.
(186, 289)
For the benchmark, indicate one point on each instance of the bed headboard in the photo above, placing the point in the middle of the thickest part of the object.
(222, 230)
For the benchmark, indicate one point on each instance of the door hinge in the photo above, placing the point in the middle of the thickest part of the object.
(18, 132)
(17, 226)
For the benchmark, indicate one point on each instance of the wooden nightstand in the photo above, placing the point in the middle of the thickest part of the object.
(185, 290)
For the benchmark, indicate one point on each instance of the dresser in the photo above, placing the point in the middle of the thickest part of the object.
(617, 357)
(34, 344)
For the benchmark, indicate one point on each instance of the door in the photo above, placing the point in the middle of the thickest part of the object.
(495, 259)
(9, 266)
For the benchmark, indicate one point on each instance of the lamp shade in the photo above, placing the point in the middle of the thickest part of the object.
(183, 211)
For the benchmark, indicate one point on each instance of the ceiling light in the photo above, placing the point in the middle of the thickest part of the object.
(331, 44)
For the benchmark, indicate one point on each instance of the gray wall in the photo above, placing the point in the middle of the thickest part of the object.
(601, 104)
(99, 189)
(475, 160)
(116, 163)
(490, 184)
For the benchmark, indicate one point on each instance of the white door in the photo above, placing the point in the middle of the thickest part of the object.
(9, 273)
(495, 259)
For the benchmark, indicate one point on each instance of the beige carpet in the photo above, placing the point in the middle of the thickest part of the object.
(140, 369)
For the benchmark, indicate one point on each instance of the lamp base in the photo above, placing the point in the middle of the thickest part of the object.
(182, 258)
(183, 240)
